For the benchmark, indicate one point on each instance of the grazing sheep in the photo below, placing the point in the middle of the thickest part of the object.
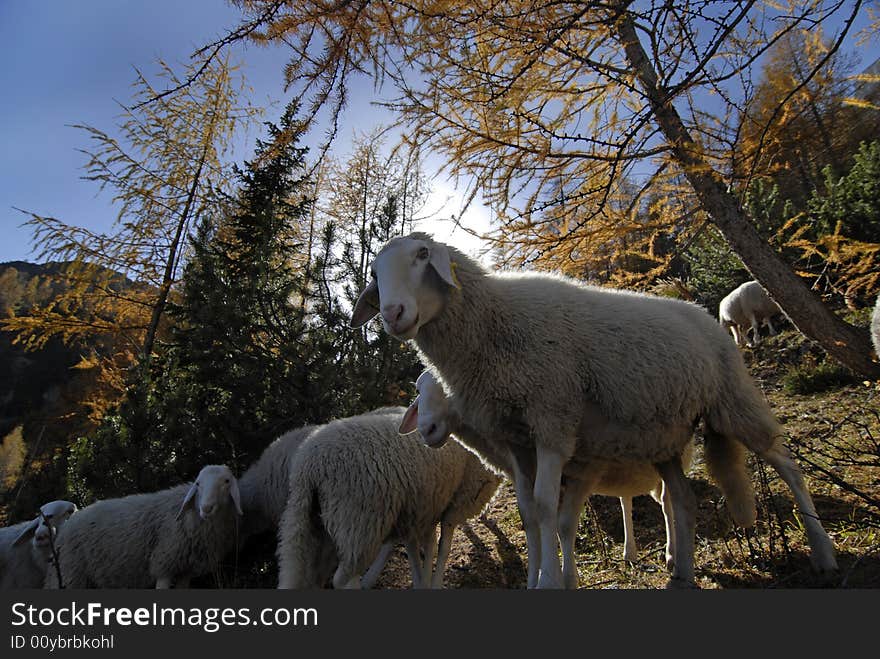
(23, 564)
(264, 488)
(358, 483)
(437, 421)
(160, 539)
(566, 374)
(875, 327)
(747, 305)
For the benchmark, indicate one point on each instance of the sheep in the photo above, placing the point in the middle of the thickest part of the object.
(359, 483)
(565, 374)
(747, 305)
(23, 564)
(263, 485)
(875, 327)
(437, 421)
(160, 539)
(264, 488)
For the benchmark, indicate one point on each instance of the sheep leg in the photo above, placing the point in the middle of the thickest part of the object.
(756, 332)
(573, 499)
(734, 330)
(669, 521)
(183, 582)
(413, 553)
(822, 554)
(684, 505)
(371, 576)
(773, 331)
(430, 548)
(630, 551)
(446, 533)
(523, 484)
(163, 583)
(548, 478)
(344, 579)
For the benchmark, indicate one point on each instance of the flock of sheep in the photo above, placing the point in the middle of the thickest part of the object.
(565, 389)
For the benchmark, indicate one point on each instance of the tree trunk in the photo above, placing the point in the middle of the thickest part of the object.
(168, 275)
(811, 317)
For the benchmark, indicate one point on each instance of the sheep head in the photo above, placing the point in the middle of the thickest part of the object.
(429, 412)
(408, 276)
(44, 527)
(212, 489)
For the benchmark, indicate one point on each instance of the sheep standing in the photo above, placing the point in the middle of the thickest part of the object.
(264, 485)
(567, 374)
(264, 488)
(26, 548)
(875, 327)
(748, 305)
(437, 421)
(357, 484)
(156, 539)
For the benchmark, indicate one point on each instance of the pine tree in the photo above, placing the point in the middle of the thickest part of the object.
(244, 361)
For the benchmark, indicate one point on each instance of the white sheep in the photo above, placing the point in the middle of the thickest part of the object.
(875, 327)
(567, 373)
(160, 539)
(26, 548)
(264, 489)
(264, 485)
(437, 421)
(747, 305)
(357, 483)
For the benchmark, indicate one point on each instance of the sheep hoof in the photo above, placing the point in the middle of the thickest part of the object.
(827, 575)
(546, 581)
(670, 563)
(677, 583)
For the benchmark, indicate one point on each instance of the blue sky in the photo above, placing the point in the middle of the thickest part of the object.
(65, 63)
(69, 62)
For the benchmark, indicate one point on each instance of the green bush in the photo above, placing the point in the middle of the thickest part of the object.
(814, 378)
(713, 269)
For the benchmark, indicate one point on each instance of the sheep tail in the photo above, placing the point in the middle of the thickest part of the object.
(300, 537)
(726, 464)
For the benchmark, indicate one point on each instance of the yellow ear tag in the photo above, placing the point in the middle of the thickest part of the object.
(452, 268)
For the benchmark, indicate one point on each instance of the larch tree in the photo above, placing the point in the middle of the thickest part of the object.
(548, 107)
(817, 127)
(164, 166)
(369, 197)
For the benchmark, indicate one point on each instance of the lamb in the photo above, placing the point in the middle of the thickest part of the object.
(566, 374)
(875, 327)
(26, 548)
(264, 488)
(437, 421)
(747, 305)
(358, 484)
(160, 539)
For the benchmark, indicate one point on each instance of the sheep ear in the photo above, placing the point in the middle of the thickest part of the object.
(367, 305)
(443, 265)
(236, 495)
(27, 533)
(410, 418)
(188, 499)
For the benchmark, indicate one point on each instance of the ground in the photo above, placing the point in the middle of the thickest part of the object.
(836, 435)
